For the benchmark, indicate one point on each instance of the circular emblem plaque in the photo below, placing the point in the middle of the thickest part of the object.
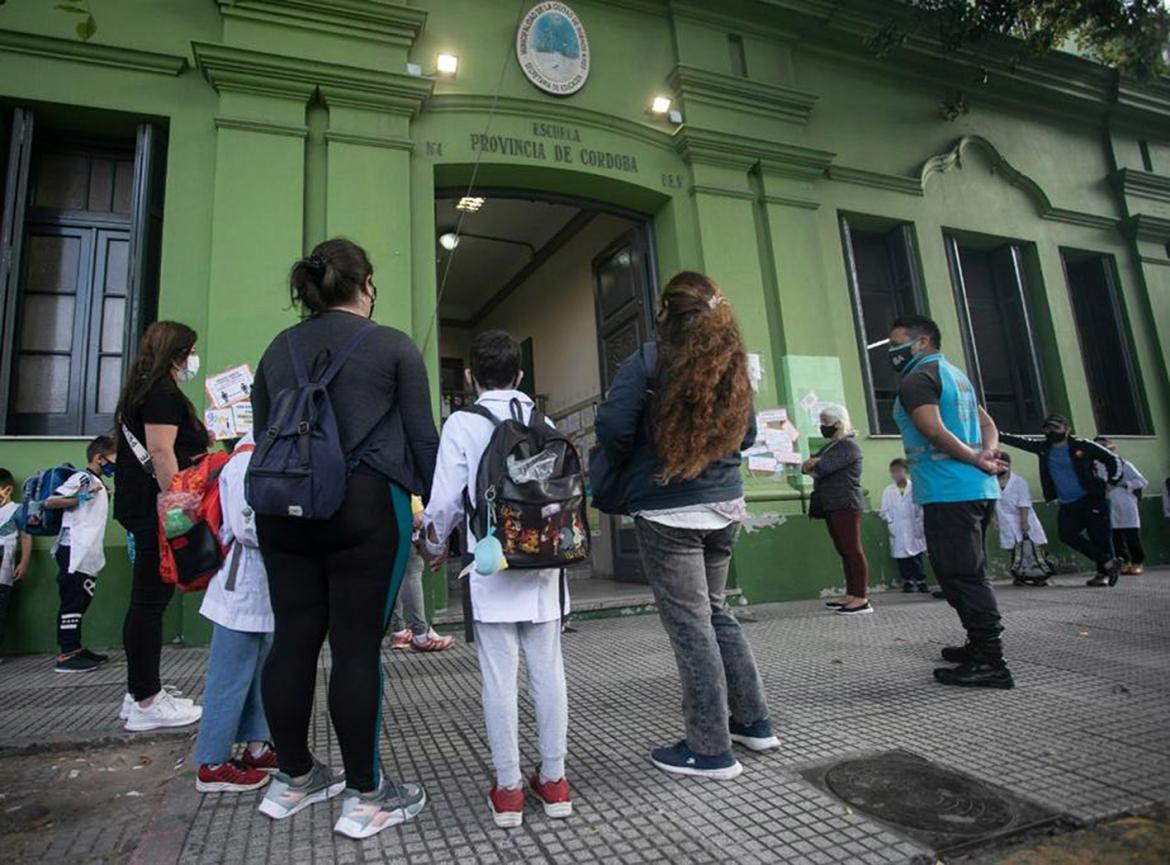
(552, 48)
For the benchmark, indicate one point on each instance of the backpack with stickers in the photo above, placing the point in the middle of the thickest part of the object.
(530, 491)
(32, 517)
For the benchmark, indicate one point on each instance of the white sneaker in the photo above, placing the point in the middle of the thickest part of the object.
(128, 700)
(165, 711)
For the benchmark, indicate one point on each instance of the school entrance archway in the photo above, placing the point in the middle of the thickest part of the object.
(574, 281)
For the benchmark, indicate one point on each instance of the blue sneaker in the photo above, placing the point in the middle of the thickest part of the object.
(681, 760)
(755, 737)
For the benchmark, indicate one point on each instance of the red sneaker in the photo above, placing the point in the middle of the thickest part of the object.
(433, 643)
(507, 807)
(266, 762)
(554, 795)
(230, 777)
(400, 639)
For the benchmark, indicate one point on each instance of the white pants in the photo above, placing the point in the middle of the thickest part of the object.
(498, 644)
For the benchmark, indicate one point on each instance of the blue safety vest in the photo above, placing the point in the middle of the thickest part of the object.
(937, 476)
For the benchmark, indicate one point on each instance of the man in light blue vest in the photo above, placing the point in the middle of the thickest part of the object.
(952, 446)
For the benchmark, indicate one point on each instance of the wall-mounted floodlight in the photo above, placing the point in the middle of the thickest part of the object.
(448, 240)
(470, 204)
(447, 65)
(660, 105)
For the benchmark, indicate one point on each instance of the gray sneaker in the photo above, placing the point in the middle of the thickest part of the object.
(284, 798)
(366, 814)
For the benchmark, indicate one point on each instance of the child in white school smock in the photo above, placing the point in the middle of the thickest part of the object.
(1125, 516)
(512, 609)
(904, 520)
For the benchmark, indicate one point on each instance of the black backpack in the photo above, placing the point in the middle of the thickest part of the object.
(530, 490)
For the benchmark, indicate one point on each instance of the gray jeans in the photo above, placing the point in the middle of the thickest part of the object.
(410, 598)
(687, 570)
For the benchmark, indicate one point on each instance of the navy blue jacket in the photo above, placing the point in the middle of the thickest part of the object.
(1085, 456)
(623, 430)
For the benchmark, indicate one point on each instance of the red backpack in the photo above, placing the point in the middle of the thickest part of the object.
(190, 516)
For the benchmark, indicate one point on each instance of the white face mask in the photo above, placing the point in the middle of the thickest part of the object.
(190, 369)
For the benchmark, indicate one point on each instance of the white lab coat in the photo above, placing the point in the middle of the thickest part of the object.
(507, 595)
(1015, 495)
(241, 604)
(904, 520)
(85, 525)
(1123, 501)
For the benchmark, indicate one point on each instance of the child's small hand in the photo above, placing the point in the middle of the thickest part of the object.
(83, 497)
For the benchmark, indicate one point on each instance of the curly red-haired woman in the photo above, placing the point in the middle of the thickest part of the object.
(676, 419)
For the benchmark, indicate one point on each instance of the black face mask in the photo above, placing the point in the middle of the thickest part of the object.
(1055, 437)
(828, 431)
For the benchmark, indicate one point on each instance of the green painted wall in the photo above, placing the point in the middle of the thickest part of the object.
(288, 125)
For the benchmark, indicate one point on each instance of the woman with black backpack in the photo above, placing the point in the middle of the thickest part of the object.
(677, 416)
(337, 574)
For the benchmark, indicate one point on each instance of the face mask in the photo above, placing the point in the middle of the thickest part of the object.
(373, 295)
(828, 431)
(1055, 437)
(190, 369)
(108, 469)
(5, 497)
(898, 479)
(901, 355)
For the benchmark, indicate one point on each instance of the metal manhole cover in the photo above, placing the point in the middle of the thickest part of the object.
(939, 807)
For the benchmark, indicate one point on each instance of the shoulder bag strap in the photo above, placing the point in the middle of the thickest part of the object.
(140, 452)
(343, 355)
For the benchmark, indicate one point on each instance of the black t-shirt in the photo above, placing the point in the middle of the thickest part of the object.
(921, 386)
(136, 491)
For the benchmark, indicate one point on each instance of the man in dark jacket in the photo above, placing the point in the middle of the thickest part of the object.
(1068, 472)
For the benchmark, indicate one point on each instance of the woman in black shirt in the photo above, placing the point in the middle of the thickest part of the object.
(159, 433)
(338, 577)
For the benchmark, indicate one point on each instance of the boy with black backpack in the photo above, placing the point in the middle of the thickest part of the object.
(511, 606)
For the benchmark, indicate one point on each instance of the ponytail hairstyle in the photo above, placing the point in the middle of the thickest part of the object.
(164, 346)
(331, 275)
(704, 397)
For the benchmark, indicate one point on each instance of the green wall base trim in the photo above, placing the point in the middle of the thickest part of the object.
(374, 20)
(249, 125)
(779, 495)
(244, 70)
(91, 53)
(716, 89)
(369, 140)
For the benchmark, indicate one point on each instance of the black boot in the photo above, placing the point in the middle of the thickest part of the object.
(957, 654)
(984, 668)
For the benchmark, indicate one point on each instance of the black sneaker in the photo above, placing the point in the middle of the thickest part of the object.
(757, 736)
(976, 674)
(1098, 581)
(681, 760)
(96, 657)
(907, 588)
(922, 589)
(958, 654)
(75, 663)
(1113, 571)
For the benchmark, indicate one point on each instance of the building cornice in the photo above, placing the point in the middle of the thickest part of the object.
(91, 53)
(561, 112)
(1145, 227)
(876, 179)
(237, 69)
(715, 89)
(374, 20)
(1142, 184)
(712, 147)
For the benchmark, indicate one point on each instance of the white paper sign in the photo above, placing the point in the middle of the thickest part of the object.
(755, 371)
(242, 418)
(229, 387)
(220, 423)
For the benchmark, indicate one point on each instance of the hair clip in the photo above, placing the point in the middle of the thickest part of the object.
(715, 301)
(315, 261)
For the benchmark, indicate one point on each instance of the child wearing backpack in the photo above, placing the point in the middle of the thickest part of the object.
(511, 608)
(237, 605)
(12, 567)
(80, 551)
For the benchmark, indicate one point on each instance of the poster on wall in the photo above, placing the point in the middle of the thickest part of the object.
(229, 387)
(775, 448)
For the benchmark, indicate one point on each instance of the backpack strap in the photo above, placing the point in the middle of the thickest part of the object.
(476, 408)
(335, 365)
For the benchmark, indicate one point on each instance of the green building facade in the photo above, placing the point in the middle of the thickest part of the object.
(175, 164)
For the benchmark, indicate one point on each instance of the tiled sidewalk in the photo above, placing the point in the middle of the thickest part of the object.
(1084, 732)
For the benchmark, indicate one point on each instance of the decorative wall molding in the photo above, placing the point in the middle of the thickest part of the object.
(876, 179)
(374, 20)
(953, 158)
(713, 147)
(332, 135)
(722, 192)
(91, 53)
(717, 90)
(243, 70)
(539, 110)
(247, 124)
(1145, 227)
(798, 203)
(1142, 184)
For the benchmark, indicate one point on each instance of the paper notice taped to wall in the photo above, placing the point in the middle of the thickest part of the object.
(229, 387)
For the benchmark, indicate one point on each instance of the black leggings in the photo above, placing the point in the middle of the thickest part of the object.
(143, 628)
(338, 577)
(1127, 543)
